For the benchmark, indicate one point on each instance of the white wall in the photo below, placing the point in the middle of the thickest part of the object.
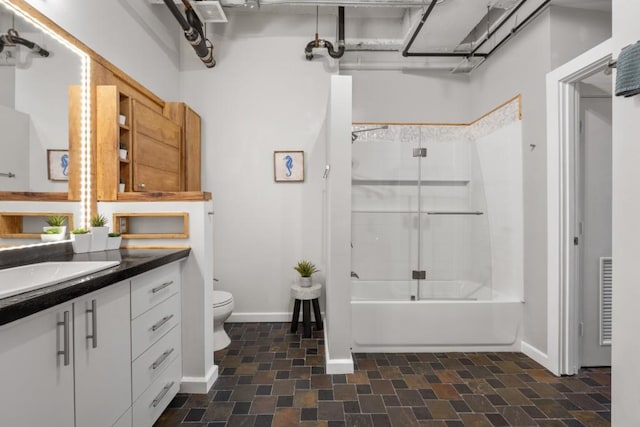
(626, 231)
(574, 31)
(14, 149)
(410, 96)
(520, 67)
(134, 35)
(41, 83)
(261, 97)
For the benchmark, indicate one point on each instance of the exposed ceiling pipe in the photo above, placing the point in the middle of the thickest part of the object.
(320, 43)
(192, 27)
(518, 27)
(12, 38)
(497, 28)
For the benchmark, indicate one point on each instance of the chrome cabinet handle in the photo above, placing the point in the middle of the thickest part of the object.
(161, 287)
(141, 185)
(162, 394)
(65, 350)
(161, 359)
(94, 323)
(161, 322)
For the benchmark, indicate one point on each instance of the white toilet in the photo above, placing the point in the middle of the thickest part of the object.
(222, 308)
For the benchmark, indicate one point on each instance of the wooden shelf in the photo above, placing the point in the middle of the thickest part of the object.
(123, 160)
(129, 224)
(12, 224)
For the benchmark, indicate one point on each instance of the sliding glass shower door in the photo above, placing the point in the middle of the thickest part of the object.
(419, 229)
(385, 217)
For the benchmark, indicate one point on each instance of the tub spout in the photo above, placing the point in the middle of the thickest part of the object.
(354, 274)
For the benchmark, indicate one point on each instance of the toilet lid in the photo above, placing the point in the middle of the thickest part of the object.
(221, 298)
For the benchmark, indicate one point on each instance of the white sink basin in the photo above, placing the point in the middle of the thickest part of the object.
(25, 278)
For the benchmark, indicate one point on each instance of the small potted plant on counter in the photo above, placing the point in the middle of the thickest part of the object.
(305, 269)
(99, 233)
(56, 221)
(81, 240)
(52, 234)
(113, 241)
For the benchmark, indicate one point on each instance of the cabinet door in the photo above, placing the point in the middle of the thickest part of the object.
(156, 151)
(37, 379)
(103, 356)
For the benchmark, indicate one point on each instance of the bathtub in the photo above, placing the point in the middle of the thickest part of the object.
(450, 316)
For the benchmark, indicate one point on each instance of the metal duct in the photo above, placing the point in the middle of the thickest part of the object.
(192, 28)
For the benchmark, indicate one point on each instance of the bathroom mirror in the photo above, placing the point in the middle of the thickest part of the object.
(34, 107)
(37, 68)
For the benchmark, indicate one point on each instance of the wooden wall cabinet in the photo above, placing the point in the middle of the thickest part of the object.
(189, 121)
(162, 145)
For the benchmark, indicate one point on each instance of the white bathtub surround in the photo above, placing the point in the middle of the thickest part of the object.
(445, 325)
(500, 154)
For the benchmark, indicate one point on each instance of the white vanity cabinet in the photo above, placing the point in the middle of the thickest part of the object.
(36, 369)
(112, 357)
(101, 329)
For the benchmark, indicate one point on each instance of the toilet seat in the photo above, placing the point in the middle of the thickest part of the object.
(221, 298)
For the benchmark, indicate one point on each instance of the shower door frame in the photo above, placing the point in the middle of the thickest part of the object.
(562, 255)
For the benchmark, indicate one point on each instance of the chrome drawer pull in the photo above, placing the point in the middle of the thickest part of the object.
(162, 321)
(65, 339)
(162, 394)
(161, 287)
(94, 323)
(161, 359)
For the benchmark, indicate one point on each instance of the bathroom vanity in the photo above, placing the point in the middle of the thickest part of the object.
(99, 350)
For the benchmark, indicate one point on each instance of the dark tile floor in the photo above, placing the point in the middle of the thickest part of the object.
(270, 377)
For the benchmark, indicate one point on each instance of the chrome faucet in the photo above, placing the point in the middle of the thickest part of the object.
(354, 274)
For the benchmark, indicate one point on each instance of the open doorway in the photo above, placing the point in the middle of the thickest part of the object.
(592, 192)
(579, 211)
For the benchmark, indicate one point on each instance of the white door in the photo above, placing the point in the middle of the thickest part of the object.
(596, 162)
(37, 381)
(102, 325)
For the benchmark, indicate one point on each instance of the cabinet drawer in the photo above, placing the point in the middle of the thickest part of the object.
(155, 399)
(149, 289)
(152, 325)
(150, 365)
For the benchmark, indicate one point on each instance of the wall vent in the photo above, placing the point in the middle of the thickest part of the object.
(606, 303)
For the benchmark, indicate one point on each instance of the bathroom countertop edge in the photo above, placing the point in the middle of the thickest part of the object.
(132, 263)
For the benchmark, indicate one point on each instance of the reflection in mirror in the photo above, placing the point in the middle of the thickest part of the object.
(34, 106)
(38, 70)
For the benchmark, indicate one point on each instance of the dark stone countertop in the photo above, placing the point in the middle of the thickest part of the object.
(132, 263)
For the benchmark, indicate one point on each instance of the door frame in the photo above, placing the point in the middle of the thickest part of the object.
(562, 134)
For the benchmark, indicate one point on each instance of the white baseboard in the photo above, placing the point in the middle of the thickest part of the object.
(199, 385)
(265, 317)
(535, 354)
(337, 366)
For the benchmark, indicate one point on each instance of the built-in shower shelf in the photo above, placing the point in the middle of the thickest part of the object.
(412, 182)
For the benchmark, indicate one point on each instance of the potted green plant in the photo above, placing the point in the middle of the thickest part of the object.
(113, 241)
(305, 269)
(81, 240)
(123, 151)
(52, 234)
(56, 221)
(99, 232)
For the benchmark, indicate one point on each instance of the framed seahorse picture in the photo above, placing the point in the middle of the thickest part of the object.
(288, 166)
(58, 165)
